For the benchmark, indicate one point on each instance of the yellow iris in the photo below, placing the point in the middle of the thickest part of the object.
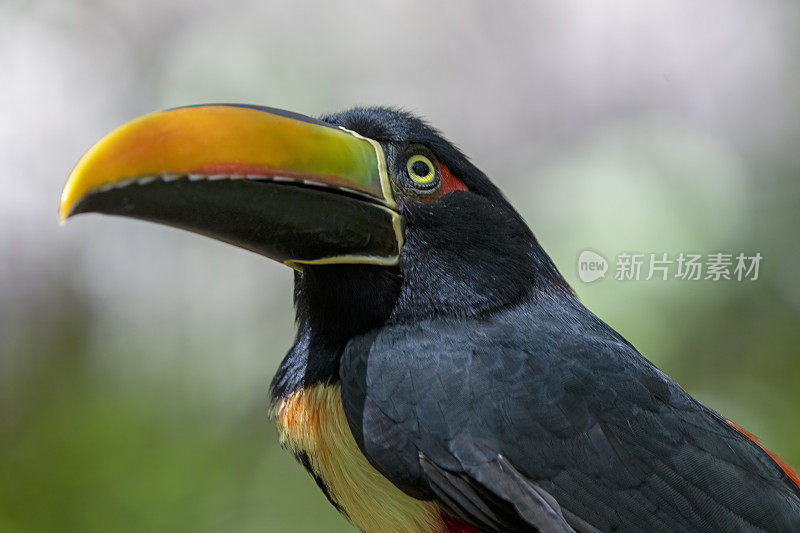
(416, 172)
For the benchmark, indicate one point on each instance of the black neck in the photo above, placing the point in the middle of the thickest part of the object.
(333, 304)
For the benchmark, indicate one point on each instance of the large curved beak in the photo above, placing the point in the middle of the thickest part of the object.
(283, 185)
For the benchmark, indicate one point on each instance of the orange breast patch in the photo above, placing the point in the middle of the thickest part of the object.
(312, 421)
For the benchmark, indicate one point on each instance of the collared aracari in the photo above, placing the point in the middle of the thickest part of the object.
(444, 376)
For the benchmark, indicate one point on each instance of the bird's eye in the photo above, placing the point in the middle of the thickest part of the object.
(422, 171)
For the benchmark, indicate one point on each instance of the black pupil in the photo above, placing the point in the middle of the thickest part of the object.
(420, 168)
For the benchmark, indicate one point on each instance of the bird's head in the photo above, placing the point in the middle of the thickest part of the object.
(382, 218)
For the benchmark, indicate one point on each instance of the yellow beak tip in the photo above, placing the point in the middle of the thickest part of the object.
(65, 207)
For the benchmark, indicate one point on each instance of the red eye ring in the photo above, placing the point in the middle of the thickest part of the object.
(449, 182)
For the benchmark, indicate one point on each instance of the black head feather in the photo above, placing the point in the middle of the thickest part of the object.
(395, 126)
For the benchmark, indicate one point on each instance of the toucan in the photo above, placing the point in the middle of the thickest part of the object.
(444, 376)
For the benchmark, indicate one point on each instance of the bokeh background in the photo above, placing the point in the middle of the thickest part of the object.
(135, 359)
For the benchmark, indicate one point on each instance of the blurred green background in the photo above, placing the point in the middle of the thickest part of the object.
(135, 359)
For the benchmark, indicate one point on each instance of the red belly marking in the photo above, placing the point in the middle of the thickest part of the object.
(456, 525)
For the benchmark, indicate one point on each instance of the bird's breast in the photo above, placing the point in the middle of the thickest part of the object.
(312, 424)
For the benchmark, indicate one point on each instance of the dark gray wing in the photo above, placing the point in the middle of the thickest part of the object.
(525, 421)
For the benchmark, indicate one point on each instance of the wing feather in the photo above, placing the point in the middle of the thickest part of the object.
(536, 421)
